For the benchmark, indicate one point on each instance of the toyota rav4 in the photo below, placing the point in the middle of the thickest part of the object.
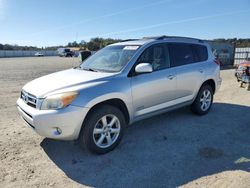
(118, 85)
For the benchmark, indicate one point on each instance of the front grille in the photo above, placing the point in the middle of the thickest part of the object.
(29, 99)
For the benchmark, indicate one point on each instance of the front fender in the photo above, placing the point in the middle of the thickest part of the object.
(115, 89)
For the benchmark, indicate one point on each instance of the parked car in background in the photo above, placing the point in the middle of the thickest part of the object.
(76, 53)
(240, 70)
(39, 54)
(65, 52)
(118, 85)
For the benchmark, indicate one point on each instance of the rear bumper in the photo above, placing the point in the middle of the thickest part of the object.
(46, 122)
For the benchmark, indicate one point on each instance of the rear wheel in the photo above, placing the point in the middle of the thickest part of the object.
(203, 101)
(103, 129)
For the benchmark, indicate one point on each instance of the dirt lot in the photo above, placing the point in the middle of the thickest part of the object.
(169, 150)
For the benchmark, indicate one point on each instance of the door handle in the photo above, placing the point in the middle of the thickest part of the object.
(170, 77)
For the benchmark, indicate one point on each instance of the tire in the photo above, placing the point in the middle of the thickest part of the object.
(203, 100)
(106, 137)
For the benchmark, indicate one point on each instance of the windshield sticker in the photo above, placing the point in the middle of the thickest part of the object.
(130, 47)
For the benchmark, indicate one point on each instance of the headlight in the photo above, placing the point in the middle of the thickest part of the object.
(58, 101)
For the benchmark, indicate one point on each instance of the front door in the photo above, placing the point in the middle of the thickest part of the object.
(152, 91)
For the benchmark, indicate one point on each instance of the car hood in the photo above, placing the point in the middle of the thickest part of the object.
(62, 80)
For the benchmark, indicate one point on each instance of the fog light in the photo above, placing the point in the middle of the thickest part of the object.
(57, 131)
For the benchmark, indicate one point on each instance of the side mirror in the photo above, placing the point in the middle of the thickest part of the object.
(143, 68)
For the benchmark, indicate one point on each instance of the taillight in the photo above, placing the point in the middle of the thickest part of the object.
(217, 61)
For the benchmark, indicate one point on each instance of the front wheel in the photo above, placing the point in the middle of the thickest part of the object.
(103, 129)
(203, 101)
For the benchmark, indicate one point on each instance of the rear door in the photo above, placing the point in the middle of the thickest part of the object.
(187, 60)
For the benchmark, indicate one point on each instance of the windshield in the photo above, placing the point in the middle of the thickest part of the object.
(110, 59)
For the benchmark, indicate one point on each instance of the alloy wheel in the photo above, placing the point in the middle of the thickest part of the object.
(205, 100)
(106, 131)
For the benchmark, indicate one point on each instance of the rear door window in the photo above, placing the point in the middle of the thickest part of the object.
(184, 53)
(181, 54)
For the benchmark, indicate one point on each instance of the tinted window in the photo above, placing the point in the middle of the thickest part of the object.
(182, 54)
(200, 52)
(157, 55)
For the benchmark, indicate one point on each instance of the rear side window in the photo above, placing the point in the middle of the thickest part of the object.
(184, 54)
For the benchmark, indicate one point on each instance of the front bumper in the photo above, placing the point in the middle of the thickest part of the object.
(46, 122)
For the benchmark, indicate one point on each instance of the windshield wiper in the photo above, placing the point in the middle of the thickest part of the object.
(89, 69)
(93, 70)
(77, 67)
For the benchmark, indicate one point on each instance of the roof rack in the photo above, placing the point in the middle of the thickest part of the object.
(155, 37)
(129, 40)
(163, 37)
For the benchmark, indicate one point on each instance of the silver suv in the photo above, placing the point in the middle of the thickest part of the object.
(118, 85)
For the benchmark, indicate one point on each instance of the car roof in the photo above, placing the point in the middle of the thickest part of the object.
(132, 42)
(164, 38)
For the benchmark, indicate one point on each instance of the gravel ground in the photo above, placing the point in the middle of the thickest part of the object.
(168, 150)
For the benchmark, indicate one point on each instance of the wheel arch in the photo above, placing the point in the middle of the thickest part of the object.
(116, 102)
(211, 83)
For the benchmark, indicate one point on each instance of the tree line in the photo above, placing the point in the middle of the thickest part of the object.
(97, 43)
(94, 44)
(234, 41)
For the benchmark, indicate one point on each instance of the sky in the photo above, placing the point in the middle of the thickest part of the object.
(45, 23)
